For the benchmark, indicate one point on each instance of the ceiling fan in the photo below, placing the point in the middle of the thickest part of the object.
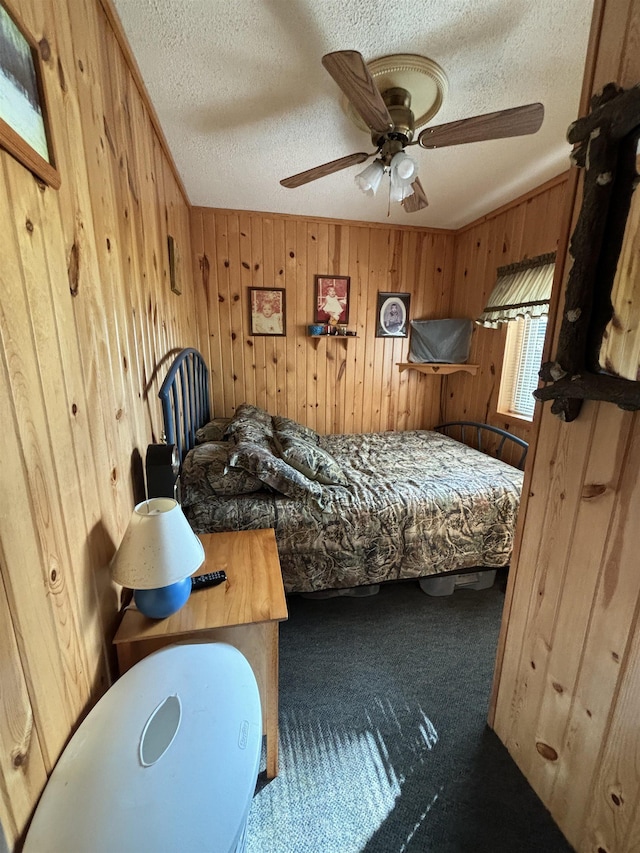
(387, 114)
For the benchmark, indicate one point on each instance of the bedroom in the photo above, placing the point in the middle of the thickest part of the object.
(88, 319)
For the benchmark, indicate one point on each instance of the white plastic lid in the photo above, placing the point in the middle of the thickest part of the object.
(166, 761)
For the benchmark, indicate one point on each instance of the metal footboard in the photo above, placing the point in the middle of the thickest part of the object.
(462, 428)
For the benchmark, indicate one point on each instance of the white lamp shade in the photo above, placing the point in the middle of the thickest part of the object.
(369, 179)
(404, 166)
(403, 170)
(399, 190)
(159, 547)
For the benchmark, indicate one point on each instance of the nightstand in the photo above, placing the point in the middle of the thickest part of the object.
(244, 612)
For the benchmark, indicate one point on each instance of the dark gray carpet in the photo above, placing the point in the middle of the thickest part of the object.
(384, 746)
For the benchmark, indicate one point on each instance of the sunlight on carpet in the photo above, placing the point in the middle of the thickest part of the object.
(384, 746)
(340, 773)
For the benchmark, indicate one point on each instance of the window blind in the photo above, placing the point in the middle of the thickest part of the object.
(523, 354)
(521, 290)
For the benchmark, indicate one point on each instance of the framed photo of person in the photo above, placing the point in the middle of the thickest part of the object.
(24, 123)
(267, 311)
(393, 315)
(332, 299)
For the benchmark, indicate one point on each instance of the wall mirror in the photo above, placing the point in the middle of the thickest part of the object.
(598, 353)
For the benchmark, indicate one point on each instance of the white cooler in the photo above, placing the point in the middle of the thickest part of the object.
(166, 761)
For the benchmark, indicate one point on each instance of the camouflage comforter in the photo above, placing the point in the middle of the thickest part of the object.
(417, 504)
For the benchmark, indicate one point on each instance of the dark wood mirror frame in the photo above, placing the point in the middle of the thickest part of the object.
(606, 148)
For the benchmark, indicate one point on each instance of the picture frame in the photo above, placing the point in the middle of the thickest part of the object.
(332, 299)
(606, 147)
(393, 315)
(175, 278)
(267, 311)
(24, 120)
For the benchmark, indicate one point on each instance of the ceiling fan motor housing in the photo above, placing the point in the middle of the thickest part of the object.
(398, 102)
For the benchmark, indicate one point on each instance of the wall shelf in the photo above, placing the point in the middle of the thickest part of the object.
(442, 369)
(343, 338)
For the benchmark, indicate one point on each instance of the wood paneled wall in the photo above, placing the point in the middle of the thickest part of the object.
(568, 690)
(86, 319)
(332, 385)
(523, 229)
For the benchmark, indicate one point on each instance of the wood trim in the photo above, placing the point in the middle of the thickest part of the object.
(118, 31)
(597, 20)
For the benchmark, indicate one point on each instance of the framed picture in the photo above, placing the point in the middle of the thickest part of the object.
(332, 299)
(24, 126)
(393, 315)
(267, 306)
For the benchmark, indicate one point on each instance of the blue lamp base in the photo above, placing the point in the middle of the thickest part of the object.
(164, 600)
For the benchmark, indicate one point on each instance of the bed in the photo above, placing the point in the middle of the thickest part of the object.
(349, 511)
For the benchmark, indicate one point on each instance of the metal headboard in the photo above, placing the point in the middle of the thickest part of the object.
(185, 399)
(479, 429)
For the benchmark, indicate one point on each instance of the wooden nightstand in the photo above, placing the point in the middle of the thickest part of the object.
(244, 612)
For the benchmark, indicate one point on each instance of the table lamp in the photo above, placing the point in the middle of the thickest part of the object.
(157, 556)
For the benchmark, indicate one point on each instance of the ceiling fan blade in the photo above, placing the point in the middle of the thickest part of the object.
(517, 121)
(349, 70)
(416, 201)
(325, 169)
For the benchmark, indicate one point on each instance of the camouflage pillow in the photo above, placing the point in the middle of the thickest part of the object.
(206, 473)
(213, 431)
(311, 460)
(259, 460)
(293, 428)
(249, 423)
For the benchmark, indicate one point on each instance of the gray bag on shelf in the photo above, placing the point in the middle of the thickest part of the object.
(446, 341)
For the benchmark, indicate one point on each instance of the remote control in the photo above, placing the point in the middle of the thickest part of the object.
(210, 579)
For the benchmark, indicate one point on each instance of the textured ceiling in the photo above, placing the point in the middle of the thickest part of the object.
(244, 100)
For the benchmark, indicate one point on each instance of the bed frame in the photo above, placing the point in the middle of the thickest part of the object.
(185, 400)
(453, 427)
(185, 408)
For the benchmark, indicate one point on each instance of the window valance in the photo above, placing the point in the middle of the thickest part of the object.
(521, 290)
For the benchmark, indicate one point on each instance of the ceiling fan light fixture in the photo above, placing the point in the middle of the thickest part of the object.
(369, 179)
(404, 167)
(403, 171)
(399, 190)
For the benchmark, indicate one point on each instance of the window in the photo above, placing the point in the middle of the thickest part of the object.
(522, 359)
(520, 298)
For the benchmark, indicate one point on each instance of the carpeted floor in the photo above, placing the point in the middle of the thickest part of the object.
(383, 742)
